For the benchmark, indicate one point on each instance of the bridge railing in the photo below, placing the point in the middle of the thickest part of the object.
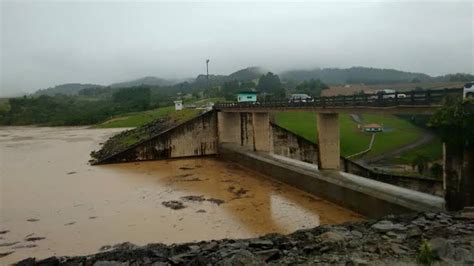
(409, 98)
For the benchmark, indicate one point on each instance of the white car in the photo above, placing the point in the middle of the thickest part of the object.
(300, 98)
(387, 94)
(468, 91)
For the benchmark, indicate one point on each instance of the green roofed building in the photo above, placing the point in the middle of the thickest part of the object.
(247, 96)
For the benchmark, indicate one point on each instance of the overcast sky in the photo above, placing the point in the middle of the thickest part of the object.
(45, 43)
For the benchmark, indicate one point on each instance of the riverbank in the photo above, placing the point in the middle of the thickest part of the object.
(396, 240)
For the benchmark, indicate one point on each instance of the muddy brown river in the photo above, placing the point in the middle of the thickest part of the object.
(53, 202)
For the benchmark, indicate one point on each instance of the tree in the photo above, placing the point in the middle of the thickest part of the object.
(454, 123)
(230, 89)
(270, 84)
(312, 87)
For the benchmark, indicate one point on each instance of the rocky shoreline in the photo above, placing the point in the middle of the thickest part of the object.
(445, 238)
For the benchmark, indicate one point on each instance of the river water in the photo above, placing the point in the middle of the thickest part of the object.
(48, 190)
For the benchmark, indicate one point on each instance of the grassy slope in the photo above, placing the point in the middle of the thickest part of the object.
(352, 139)
(304, 124)
(433, 150)
(140, 118)
(400, 133)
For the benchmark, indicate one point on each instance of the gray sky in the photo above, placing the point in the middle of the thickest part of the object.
(45, 43)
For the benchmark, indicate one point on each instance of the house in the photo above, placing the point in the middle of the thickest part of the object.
(178, 105)
(247, 96)
(372, 128)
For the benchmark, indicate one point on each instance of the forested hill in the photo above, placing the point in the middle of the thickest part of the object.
(66, 89)
(356, 75)
(147, 81)
(247, 74)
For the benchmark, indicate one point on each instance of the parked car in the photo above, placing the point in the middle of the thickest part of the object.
(301, 98)
(468, 91)
(387, 94)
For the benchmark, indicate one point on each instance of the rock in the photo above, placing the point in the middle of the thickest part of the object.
(201, 211)
(330, 237)
(194, 198)
(110, 263)
(4, 254)
(24, 246)
(268, 254)
(4, 232)
(397, 249)
(173, 204)
(32, 220)
(385, 226)
(356, 234)
(27, 262)
(49, 261)
(413, 231)
(241, 258)
(258, 243)
(430, 215)
(358, 262)
(215, 201)
(441, 248)
(34, 238)
(8, 244)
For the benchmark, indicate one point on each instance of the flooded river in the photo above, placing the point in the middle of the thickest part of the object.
(52, 202)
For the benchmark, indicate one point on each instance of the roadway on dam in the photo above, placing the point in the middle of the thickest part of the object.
(54, 203)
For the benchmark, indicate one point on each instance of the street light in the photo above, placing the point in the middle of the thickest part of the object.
(207, 72)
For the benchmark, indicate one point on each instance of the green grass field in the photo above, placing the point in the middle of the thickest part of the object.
(432, 150)
(399, 133)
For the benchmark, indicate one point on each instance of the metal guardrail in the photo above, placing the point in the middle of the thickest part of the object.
(409, 98)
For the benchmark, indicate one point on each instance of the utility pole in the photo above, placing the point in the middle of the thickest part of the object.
(207, 72)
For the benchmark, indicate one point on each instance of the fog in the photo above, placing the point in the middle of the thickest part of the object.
(48, 43)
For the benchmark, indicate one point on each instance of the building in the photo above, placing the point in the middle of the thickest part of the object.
(372, 128)
(247, 96)
(178, 105)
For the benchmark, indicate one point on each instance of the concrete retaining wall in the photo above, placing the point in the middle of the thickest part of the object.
(368, 197)
(295, 147)
(196, 137)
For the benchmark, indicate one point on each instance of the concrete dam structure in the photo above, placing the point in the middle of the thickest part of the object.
(243, 133)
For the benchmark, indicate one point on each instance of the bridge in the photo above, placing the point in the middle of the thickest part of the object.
(419, 102)
(233, 116)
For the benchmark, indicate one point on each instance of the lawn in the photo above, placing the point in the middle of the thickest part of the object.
(432, 150)
(140, 118)
(399, 133)
(304, 124)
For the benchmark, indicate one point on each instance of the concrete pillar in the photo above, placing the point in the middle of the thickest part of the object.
(246, 130)
(328, 141)
(261, 132)
(228, 127)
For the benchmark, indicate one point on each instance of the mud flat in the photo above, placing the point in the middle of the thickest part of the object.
(53, 203)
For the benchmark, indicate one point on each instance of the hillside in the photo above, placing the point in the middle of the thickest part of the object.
(66, 89)
(355, 75)
(149, 81)
(247, 74)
